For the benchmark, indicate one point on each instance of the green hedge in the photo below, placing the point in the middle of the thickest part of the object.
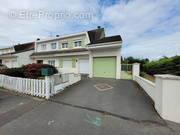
(163, 66)
(27, 71)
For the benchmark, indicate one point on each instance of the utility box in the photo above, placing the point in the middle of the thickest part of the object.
(47, 71)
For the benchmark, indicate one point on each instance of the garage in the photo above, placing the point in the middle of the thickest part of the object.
(67, 63)
(84, 66)
(104, 67)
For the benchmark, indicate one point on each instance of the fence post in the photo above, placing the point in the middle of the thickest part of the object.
(52, 84)
(136, 70)
(167, 97)
(47, 80)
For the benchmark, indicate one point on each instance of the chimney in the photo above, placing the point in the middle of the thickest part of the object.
(98, 27)
(57, 35)
(38, 39)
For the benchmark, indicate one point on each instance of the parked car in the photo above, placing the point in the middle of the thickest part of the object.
(3, 66)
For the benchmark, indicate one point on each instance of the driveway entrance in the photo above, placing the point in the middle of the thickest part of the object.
(119, 97)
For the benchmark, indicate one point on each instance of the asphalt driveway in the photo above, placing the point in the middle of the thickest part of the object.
(20, 114)
(124, 99)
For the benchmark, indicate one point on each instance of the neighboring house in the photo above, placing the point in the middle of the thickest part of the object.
(17, 55)
(86, 53)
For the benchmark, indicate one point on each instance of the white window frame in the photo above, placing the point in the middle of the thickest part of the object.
(54, 43)
(52, 62)
(43, 47)
(78, 45)
(62, 45)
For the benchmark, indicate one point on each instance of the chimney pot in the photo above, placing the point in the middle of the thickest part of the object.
(99, 27)
(38, 39)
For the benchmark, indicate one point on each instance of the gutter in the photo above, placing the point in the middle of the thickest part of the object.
(105, 45)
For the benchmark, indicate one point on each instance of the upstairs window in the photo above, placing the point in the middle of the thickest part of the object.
(64, 45)
(77, 44)
(51, 62)
(43, 47)
(53, 45)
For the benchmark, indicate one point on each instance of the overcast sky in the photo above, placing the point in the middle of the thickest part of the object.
(149, 28)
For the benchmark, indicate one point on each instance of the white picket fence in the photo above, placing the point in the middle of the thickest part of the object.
(23, 85)
(66, 80)
(41, 88)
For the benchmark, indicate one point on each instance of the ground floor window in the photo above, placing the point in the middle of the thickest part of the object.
(51, 62)
(0, 61)
(40, 61)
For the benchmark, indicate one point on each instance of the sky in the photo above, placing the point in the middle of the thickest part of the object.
(149, 28)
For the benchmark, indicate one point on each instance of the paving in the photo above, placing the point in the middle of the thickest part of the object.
(31, 116)
(125, 98)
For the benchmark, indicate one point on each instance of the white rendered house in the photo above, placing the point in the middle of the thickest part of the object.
(87, 52)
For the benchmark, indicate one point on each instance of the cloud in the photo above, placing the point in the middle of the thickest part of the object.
(145, 26)
(149, 28)
(15, 31)
(155, 48)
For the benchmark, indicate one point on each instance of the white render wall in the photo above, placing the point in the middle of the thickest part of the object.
(7, 50)
(20, 58)
(165, 93)
(147, 85)
(64, 69)
(136, 69)
(24, 58)
(168, 97)
(105, 53)
(61, 40)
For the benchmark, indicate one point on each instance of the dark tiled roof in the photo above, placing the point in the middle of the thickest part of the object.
(107, 39)
(59, 52)
(96, 34)
(24, 47)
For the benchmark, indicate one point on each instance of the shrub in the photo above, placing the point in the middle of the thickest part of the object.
(142, 74)
(33, 71)
(15, 72)
(2, 71)
(163, 66)
(27, 71)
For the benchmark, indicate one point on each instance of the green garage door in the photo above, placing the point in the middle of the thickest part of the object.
(104, 67)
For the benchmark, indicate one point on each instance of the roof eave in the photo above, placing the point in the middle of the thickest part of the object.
(61, 37)
(116, 44)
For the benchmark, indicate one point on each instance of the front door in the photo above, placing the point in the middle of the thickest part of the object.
(40, 61)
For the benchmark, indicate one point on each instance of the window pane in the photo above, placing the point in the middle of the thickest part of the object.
(77, 44)
(64, 45)
(53, 45)
(51, 62)
(43, 47)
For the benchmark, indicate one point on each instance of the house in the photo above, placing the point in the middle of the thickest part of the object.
(18, 55)
(87, 52)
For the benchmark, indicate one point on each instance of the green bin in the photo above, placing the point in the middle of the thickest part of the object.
(47, 71)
